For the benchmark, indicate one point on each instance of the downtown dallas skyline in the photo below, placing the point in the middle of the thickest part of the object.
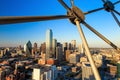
(45, 36)
(63, 30)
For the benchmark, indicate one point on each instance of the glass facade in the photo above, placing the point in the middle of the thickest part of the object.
(49, 37)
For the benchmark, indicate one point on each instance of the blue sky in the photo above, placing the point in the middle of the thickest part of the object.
(63, 30)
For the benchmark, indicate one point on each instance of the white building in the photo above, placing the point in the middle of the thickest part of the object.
(81, 48)
(87, 73)
(1, 53)
(47, 72)
(36, 74)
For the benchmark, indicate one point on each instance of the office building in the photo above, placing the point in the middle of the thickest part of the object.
(1, 53)
(59, 44)
(54, 45)
(43, 47)
(73, 43)
(74, 58)
(46, 72)
(64, 49)
(87, 73)
(19, 47)
(64, 46)
(35, 47)
(34, 50)
(81, 48)
(68, 52)
(69, 46)
(118, 70)
(112, 70)
(99, 60)
(59, 54)
(49, 37)
(28, 49)
(83, 59)
(2, 74)
(36, 74)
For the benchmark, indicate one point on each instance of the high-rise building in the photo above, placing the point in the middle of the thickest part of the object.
(46, 72)
(43, 47)
(28, 49)
(64, 49)
(87, 73)
(2, 74)
(64, 46)
(59, 44)
(34, 50)
(25, 45)
(118, 70)
(74, 58)
(99, 60)
(68, 52)
(36, 74)
(69, 46)
(59, 54)
(1, 53)
(81, 48)
(19, 47)
(73, 42)
(54, 45)
(35, 46)
(49, 37)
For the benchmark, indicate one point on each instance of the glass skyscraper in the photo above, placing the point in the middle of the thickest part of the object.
(49, 37)
(28, 49)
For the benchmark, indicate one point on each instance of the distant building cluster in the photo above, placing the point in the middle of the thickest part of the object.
(53, 60)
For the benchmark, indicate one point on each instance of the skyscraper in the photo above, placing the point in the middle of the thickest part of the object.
(73, 42)
(64, 46)
(36, 74)
(35, 46)
(49, 37)
(34, 50)
(19, 47)
(59, 56)
(87, 73)
(64, 49)
(69, 46)
(43, 47)
(118, 70)
(28, 48)
(81, 48)
(54, 45)
(74, 58)
(67, 54)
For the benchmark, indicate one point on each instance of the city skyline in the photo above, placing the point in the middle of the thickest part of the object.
(64, 31)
